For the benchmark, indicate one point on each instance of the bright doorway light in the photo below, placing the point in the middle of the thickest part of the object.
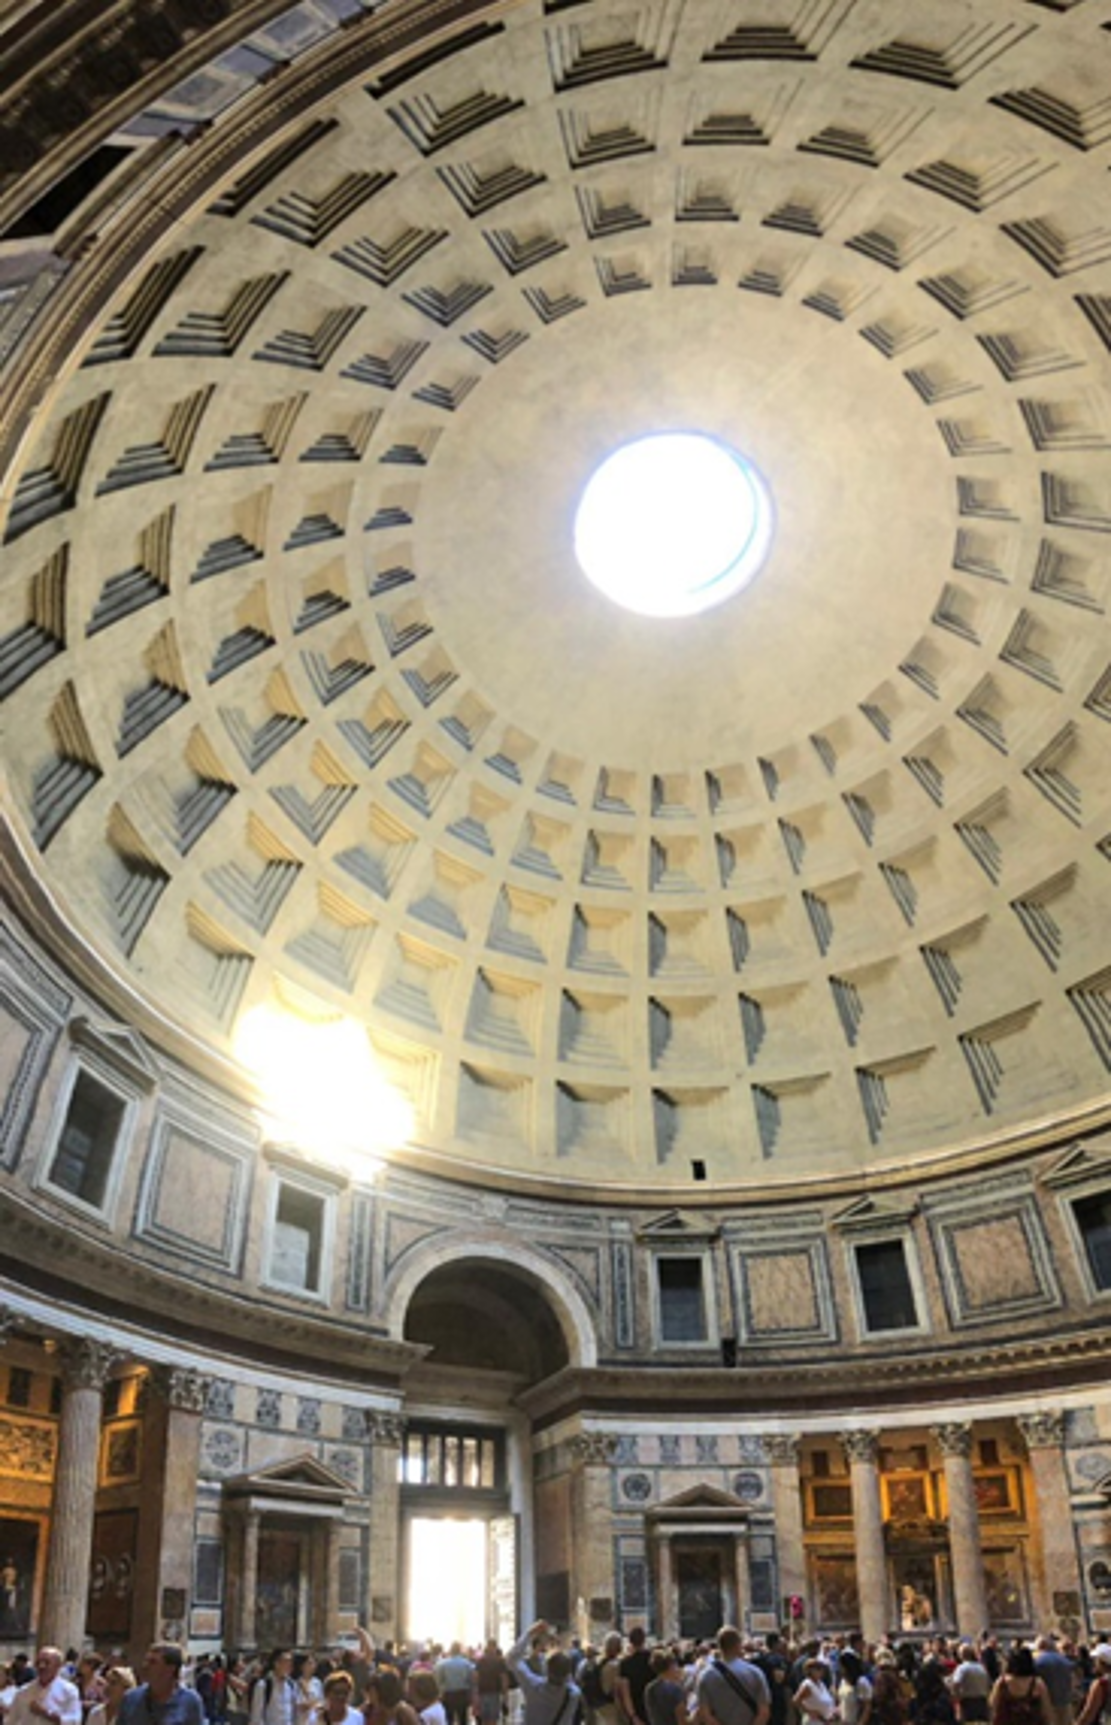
(448, 1583)
(321, 1088)
(673, 523)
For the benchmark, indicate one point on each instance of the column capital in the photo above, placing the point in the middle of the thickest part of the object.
(782, 1448)
(860, 1445)
(953, 1438)
(1042, 1430)
(180, 1387)
(86, 1363)
(385, 1429)
(593, 1449)
(8, 1321)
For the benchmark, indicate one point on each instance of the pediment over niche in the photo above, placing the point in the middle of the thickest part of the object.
(700, 1503)
(866, 1214)
(679, 1225)
(119, 1048)
(301, 1477)
(1077, 1166)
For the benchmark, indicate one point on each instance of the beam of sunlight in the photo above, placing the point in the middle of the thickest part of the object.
(321, 1088)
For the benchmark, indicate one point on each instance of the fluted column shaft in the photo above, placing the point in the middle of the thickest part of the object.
(248, 1580)
(85, 1366)
(667, 1618)
(861, 1449)
(743, 1580)
(783, 1454)
(1062, 1588)
(955, 1442)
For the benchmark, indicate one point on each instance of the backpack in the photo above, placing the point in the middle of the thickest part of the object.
(589, 1679)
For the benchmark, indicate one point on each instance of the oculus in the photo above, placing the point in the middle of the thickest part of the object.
(673, 523)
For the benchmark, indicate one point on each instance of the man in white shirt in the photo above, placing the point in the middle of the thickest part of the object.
(274, 1696)
(49, 1699)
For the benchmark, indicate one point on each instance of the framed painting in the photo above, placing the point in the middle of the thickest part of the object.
(906, 1496)
(829, 1500)
(19, 1551)
(121, 1453)
(997, 1492)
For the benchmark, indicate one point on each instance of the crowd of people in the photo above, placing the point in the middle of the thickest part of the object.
(544, 1679)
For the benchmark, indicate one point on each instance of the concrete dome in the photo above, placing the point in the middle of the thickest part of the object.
(307, 700)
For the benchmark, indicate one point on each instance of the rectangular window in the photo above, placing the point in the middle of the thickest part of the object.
(83, 1157)
(350, 1581)
(19, 1387)
(682, 1306)
(1093, 1218)
(208, 1572)
(298, 1239)
(885, 1286)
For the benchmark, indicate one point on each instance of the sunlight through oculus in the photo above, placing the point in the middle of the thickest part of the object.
(672, 524)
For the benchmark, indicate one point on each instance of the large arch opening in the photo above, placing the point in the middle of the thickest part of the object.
(491, 1329)
(486, 1316)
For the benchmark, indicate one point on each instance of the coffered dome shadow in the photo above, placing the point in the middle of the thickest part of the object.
(305, 695)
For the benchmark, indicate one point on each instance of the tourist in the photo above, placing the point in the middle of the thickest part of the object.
(550, 1698)
(1097, 1702)
(1020, 1697)
(335, 1706)
(813, 1697)
(162, 1699)
(309, 1691)
(49, 1699)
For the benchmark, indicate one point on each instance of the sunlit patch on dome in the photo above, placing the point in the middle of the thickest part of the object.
(672, 524)
(321, 1089)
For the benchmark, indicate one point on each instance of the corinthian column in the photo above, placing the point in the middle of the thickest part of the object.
(386, 1432)
(85, 1367)
(954, 1440)
(861, 1449)
(1044, 1434)
(782, 1450)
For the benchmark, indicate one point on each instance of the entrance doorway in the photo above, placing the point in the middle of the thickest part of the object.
(448, 1580)
(701, 1595)
(279, 1570)
(462, 1579)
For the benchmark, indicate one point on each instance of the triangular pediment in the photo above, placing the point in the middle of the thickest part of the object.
(686, 1225)
(299, 1476)
(1078, 1165)
(868, 1213)
(701, 1496)
(118, 1047)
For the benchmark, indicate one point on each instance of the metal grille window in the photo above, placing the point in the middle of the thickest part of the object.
(453, 1459)
(83, 1157)
(682, 1302)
